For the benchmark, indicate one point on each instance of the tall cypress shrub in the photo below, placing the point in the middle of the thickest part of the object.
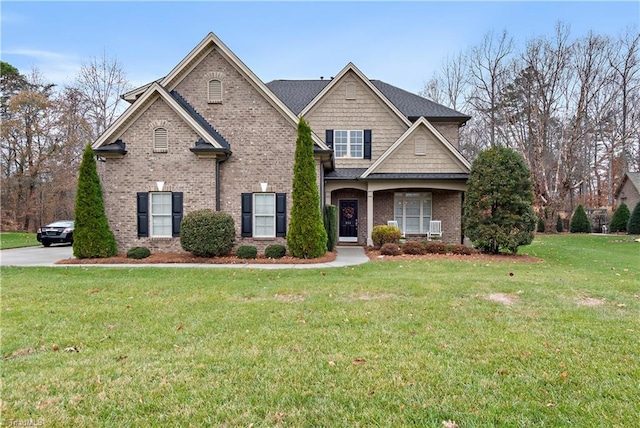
(92, 237)
(620, 219)
(498, 206)
(559, 225)
(331, 225)
(580, 222)
(633, 226)
(306, 237)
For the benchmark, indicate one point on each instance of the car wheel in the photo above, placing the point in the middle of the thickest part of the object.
(46, 244)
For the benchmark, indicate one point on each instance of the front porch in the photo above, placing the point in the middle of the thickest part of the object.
(363, 205)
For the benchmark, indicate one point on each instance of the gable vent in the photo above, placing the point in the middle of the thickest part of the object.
(215, 91)
(421, 146)
(351, 91)
(160, 140)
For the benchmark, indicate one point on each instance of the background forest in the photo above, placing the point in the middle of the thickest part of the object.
(570, 106)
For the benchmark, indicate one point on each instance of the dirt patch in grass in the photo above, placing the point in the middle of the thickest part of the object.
(375, 256)
(589, 301)
(289, 298)
(170, 258)
(505, 299)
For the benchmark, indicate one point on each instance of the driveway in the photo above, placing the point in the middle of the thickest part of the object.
(35, 256)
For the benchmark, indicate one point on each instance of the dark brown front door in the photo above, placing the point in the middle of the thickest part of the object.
(348, 229)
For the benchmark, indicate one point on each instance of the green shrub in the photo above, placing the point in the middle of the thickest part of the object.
(559, 225)
(435, 247)
(275, 251)
(331, 225)
(92, 237)
(207, 233)
(390, 249)
(498, 206)
(138, 253)
(307, 237)
(620, 219)
(579, 221)
(385, 235)
(633, 227)
(413, 247)
(247, 252)
(540, 228)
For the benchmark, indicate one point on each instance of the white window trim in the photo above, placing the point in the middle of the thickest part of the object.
(255, 215)
(152, 233)
(214, 100)
(160, 146)
(349, 143)
(424, 223)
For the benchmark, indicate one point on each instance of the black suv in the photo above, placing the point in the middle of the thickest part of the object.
(56, 232)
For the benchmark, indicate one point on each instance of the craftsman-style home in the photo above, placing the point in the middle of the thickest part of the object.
(211, 134)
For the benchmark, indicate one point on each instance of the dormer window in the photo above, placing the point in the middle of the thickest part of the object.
(215, 91)
(160, 140)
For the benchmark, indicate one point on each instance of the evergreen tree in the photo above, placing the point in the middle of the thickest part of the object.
(559, 225)
(498, 207)
(620, 219)
(580, 222)
(92, 237)
(307, 237)
(633, 227)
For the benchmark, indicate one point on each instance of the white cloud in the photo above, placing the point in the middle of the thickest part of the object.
(55, 67)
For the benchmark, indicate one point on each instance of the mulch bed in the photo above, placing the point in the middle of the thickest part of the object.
(158, 258)
(374, 256)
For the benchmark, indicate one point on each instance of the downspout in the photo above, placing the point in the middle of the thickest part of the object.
(218, 162)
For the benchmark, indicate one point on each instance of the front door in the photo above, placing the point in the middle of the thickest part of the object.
(348, 218)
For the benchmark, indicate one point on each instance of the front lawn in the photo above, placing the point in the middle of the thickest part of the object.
(401, 343)
(17, 240)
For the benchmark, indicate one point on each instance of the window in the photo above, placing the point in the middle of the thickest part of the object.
(412, 211)
(160, 140)
(159, 214)
(264, 215)
(348, 144)
(215, 91)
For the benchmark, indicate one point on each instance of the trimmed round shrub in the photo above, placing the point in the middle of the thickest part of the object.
(580, 223)
(620, 219)
(435, 247)
(385, 235)
(633, 227)
(390, 249)
(414, 248)
(207, 233)
(138, 253)
(275, 251)
(247, 252)
(461, 250)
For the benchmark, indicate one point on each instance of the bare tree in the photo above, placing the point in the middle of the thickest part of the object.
(488, 68)
(102, 81)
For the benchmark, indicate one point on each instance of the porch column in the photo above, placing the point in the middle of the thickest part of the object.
(369, 217)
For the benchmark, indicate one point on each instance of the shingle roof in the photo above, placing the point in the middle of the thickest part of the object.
(201, 120)
(297, 94)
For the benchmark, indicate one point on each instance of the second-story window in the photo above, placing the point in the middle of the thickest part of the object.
(348, 144)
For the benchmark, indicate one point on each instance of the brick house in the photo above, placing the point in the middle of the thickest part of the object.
(211, 134)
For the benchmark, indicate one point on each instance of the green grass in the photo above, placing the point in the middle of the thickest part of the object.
(382, 344)
(17, 240)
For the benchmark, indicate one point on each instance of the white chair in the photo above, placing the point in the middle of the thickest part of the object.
(435, 229)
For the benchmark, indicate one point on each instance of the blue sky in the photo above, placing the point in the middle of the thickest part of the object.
(402, 43)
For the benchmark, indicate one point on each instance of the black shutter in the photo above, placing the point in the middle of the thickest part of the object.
(143, 214)
(247, 215)
(281, 214)
(367, 144)
(329, 138)
(176, 213)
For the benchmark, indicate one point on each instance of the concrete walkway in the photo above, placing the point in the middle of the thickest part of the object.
(40, 256)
